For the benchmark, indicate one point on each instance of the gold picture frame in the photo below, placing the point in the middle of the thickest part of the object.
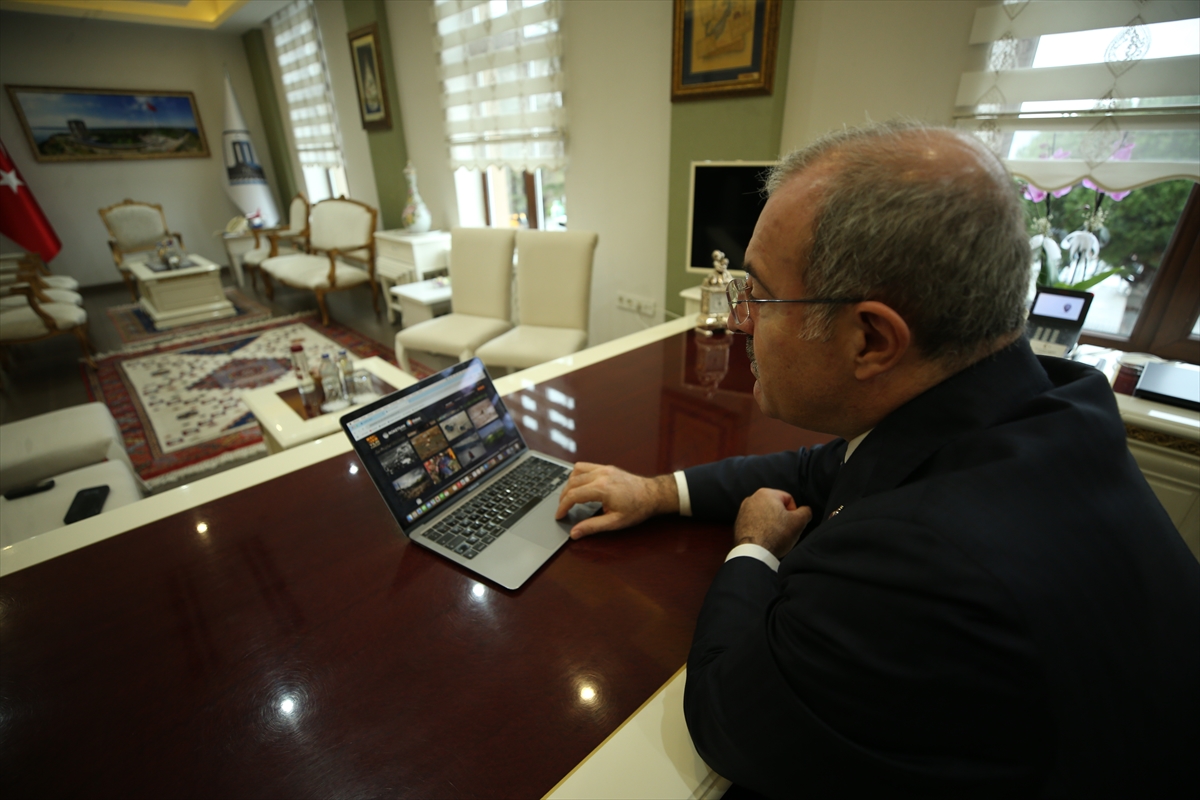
(724, 48)
(367, 56)
(76, 124)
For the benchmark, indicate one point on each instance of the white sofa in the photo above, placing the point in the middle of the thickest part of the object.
(78, 447)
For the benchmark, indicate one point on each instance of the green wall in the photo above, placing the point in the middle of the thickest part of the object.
(746, 128)
(389, 154)
(268, 108)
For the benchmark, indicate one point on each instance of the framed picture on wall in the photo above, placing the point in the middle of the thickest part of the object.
(71, 124)
(367, 56)
(724, 48)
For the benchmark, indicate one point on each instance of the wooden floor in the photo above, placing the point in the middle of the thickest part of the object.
(46, 375)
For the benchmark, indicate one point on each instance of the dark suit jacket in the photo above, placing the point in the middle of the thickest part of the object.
(1000, 607)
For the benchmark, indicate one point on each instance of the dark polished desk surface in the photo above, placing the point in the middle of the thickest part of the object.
(285, 641)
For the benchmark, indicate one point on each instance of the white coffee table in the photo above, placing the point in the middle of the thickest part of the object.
(283, 427)
(422, 300)
(178, 297)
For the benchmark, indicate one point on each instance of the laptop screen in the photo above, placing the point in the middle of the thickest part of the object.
(432, 443)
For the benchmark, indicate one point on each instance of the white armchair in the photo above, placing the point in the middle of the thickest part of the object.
(270, 242)
(480, 297)
(136, 229)
(554, 288)
(32, 320)
(338, 229)
(28, 269)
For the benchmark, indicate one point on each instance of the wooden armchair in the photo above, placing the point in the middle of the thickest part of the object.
(136, 229)
(338, 230)
(283, 240)
(34, 320)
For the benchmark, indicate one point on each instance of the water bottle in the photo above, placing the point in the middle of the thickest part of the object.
(346, 368)
(331, 382)
(304, 381)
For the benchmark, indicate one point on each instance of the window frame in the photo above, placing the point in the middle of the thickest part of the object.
(1172, 306)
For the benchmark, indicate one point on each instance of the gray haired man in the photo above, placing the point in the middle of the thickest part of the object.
(972, 591)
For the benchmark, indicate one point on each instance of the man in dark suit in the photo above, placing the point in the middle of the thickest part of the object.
(973, 591)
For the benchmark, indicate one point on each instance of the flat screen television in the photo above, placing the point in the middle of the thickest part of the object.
(725, 200)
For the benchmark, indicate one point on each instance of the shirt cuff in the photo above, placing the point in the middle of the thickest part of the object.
(685, 500)
(755, 551)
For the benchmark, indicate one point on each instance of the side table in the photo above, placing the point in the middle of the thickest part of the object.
(178, 297)
(402, 257)
(283, 427)
(421, 301)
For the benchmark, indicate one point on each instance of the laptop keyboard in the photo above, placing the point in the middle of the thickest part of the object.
(489, 514)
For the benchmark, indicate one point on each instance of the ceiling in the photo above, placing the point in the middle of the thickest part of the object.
(228, 16)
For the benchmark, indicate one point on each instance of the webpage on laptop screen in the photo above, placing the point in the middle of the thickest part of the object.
(436, 443)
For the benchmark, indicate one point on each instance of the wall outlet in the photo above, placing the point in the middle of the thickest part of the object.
(639, 305)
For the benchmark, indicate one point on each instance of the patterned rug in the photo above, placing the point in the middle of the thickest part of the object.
(135, 327)
(179, 405)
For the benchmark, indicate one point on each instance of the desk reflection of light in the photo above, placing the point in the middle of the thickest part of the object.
(202, 529)
(528, 403)
(354, 469)
(559, 398)
(562, 440)
(587, 694)
(529, 422)
(478, 590)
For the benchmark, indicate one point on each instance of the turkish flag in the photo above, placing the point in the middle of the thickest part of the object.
(21, 218)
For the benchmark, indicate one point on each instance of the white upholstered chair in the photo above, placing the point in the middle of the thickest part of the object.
(480, 297)
(554, 287)
(136, 229)
(338, 230)
(33, 320)
(11, 264)
(27, 268)
(285, 240)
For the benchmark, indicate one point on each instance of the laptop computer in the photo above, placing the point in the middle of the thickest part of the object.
(448, 460)
(1056, 319)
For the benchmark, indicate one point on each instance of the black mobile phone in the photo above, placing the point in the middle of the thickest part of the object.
(87, 503)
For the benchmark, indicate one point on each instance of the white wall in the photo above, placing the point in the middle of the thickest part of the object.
(617, 59)
(872, 60)
(360, 174)
(70, 51)
(415, 64)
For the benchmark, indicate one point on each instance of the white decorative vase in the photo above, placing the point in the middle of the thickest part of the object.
(416, 217)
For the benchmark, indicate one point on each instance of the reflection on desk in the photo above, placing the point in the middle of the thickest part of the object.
(269, 631)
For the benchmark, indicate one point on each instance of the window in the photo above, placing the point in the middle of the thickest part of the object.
(1095, 106)
(502, 82)
(310, 113)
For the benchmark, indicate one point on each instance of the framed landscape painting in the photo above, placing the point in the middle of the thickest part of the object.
(69, 124)
(724, 48)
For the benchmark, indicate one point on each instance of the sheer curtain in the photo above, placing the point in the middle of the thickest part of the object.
(312, 119)
(502, 81)
(1107, 90)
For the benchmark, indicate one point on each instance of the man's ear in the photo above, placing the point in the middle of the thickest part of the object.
(884, 339)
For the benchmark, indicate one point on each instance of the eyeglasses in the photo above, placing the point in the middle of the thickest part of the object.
(735, 290)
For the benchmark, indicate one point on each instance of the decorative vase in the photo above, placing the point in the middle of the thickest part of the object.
(416, 217)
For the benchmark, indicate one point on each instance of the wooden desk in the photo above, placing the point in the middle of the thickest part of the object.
(284, 640)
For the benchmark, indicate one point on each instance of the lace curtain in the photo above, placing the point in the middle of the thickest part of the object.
(1118, 107)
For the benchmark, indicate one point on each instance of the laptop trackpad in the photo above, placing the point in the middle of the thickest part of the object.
(540, 527)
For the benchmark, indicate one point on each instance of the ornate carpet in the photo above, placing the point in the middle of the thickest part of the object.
(178, 403)
(135, 327)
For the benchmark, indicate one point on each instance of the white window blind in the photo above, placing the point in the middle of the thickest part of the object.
(309, 100)
(502, 82)
(1107, 90)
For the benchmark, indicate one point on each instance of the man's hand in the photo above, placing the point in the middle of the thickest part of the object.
(771, 519)
(627, 499)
